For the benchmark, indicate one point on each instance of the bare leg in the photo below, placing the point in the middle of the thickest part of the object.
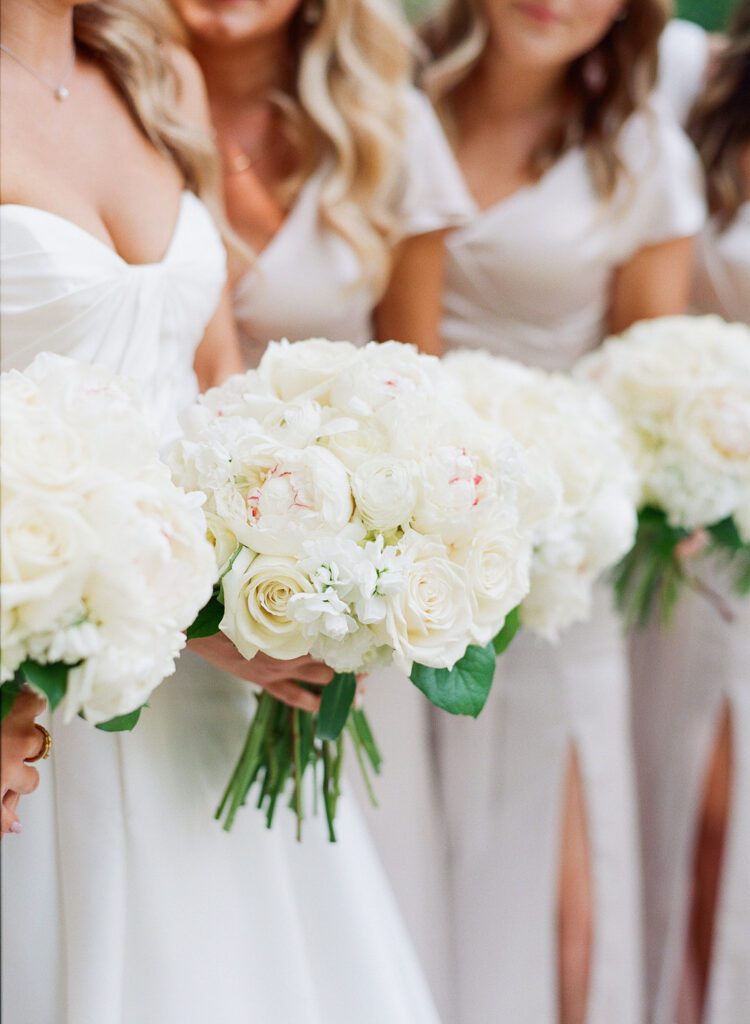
(575, 901)
(707, 862)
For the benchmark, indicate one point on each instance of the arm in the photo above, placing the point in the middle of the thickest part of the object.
(410, 308)
(655, 282)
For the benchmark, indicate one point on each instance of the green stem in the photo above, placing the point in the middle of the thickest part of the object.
(297, 772)
(248, 762)
(356, 743)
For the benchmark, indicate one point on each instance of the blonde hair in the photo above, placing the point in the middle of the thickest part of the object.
(126, 43)
(604, 86)
(353, 61)
(720, 122)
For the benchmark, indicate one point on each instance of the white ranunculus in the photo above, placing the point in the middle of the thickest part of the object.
(257, 591)
(224, 541)
(385, 491)
(365, 438)
(430, 621)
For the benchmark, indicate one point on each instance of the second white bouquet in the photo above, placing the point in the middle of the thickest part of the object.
(362, 514)
(575, 443)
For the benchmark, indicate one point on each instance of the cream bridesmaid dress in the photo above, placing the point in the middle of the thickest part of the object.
(123, 900)
(311, 264)
(685, 677)
(529, 278)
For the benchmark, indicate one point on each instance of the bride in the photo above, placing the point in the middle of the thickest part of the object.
(124, 903)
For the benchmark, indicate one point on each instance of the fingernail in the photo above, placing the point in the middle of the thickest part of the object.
(16, 827)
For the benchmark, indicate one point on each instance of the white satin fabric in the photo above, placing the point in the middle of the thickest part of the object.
(530, 278)
(685, 676)
(123, 901)
(308, 282)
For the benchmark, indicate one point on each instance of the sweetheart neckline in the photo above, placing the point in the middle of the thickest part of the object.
(38, 210)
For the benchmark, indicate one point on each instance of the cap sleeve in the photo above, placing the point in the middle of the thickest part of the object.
(683, 61)
(433, 195)
(664, 184)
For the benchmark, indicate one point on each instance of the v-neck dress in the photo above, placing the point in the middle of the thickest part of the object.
(308, 282)
(684, 677)
(531, 279)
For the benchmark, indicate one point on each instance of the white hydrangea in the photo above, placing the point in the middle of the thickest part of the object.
(579, 490)
(682, 388)
(105, 561)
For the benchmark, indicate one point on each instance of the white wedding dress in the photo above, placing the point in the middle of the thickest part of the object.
(530, 279)
(123, 901)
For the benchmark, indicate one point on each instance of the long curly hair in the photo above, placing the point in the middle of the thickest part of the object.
(604, 86)
(720, 121)
(353, 63)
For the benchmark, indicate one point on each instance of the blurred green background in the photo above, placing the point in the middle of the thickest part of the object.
(712, 14)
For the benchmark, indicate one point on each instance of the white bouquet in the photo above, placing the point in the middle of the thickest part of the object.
(574, 442)
(361, 514)
(682, 387)
(105, 561)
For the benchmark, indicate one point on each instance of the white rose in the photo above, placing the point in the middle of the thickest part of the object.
(497, 563)
(430, 621)
(40, 452)
(294, 369)
(385, 491)
(257, 591)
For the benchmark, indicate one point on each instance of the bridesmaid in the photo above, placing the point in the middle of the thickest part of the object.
(337, 174)
(123, 901)
(587, 197)
(691, 701)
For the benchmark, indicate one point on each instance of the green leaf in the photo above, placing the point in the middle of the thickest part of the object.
(726, 535)
(8, 693)
(122, 723)
(335, 705)
(207, 620)
(462, 690)
(51, 679)
(510, 627)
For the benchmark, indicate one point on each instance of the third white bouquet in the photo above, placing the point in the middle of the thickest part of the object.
(363, 514)
(682, 387)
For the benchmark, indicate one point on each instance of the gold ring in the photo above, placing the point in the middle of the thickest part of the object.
(46, 745)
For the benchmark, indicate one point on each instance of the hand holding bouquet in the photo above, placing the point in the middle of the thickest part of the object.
(105, 561)
(585, 486)
(682, 387)
(362, 514)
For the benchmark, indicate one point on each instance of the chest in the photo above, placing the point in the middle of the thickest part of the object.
(87, 161)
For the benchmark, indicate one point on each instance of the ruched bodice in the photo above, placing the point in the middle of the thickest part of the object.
(66, 291)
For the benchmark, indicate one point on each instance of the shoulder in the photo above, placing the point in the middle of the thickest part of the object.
(684, 54)
(190, 89)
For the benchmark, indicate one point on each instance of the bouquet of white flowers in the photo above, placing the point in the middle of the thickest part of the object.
(682, 387)
(362, 514)
(105, 561)
(575, 446)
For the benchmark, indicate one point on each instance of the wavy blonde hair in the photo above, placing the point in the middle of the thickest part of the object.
(720, 122)
(604, 86)
(353, 61)
(126, 43)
